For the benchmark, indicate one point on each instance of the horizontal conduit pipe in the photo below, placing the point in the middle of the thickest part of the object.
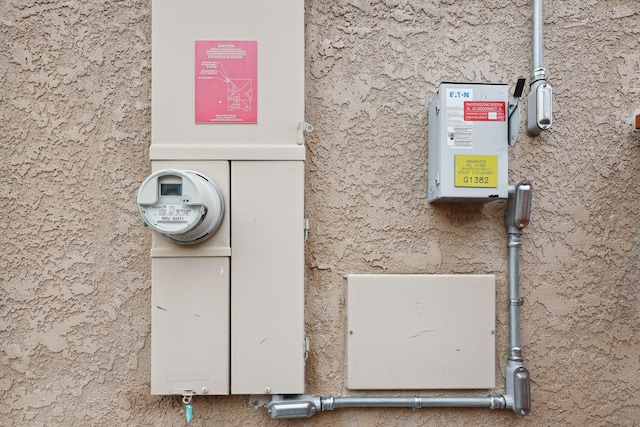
(415, 402)
(284, 407)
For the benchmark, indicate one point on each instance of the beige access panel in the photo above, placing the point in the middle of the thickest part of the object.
(421, 331)
(278, 29)
(267, 292)
(190, 325)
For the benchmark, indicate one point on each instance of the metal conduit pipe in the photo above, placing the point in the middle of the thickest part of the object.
(517, 381)
(415, 402)
(515, 349)
(540, 99)
(517, 216)
(287, 407)
(538, 39)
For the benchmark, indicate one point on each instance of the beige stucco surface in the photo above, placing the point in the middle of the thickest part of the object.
(75, 265)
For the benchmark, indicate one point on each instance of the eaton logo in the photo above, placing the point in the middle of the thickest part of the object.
(459, 94)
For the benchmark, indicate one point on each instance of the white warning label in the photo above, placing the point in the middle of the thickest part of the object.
(459, 131)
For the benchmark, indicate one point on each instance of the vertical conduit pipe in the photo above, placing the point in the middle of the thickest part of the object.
(540, 99)
(515, 349)
(538, 36)
(517, 377)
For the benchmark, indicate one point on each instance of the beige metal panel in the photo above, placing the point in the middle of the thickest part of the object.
(217, 245)
(267, 291)
(421, 331)
(278, 28)
(190, 325)
(217, 151)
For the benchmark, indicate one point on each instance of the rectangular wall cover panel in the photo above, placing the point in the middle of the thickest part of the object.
(265, 101)
(421, 331)
(190, 325)
(267, 290)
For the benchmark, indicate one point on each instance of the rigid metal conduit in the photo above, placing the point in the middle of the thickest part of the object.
(415, 402)
(517, 396)
(516, 375)
(517, 381)
(540, 98)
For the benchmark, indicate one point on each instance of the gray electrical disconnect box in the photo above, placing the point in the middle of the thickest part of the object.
(468, 143)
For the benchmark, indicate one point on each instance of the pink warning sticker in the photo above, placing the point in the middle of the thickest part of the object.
(226, 76)
(481, 111)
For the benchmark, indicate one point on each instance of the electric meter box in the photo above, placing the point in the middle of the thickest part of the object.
(227, 159)
(468, 143)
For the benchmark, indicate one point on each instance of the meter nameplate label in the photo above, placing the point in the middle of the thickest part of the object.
(172, 217)
(485, 111)
(476, 171)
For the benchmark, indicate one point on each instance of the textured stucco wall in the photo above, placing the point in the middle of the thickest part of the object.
(75, 131)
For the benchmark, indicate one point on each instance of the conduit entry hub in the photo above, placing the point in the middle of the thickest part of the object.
(184, 206)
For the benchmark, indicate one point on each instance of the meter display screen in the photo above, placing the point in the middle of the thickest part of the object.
(171, 189)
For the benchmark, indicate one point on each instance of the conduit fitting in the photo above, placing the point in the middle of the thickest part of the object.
(518, 395)
(537, 74)
(539, 107)
(515, 354)
(286, 407)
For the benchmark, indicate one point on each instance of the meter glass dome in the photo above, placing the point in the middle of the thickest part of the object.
(184, 206)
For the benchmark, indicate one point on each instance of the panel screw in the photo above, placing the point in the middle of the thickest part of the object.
(267, 390)
(205, 390)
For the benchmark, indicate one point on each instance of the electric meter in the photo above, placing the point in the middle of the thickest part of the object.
(184, 206)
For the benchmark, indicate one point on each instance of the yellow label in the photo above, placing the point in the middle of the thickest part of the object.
(476, 171)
